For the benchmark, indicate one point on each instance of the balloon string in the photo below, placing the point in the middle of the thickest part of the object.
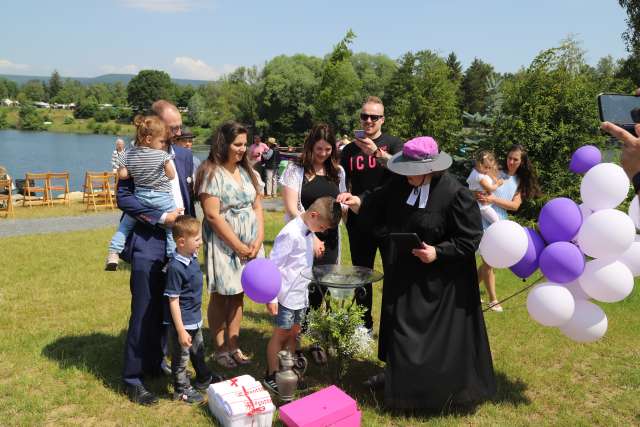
(515, 294)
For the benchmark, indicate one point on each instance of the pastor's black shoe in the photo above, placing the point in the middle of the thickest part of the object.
(140, 395)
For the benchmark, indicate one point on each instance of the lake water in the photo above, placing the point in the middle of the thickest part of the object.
(22, 152)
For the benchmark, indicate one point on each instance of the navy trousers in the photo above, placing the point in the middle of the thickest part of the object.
(146, 336)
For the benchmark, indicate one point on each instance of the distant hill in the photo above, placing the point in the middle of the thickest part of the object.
(106, 78)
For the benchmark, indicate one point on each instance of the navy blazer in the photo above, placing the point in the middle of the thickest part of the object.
(147, 239)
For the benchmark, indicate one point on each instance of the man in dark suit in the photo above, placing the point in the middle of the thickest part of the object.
(145, 250)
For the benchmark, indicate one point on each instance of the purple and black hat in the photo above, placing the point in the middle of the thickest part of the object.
(419, 156)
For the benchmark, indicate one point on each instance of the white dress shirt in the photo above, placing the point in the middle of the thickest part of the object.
(422, 192)
(293, 252)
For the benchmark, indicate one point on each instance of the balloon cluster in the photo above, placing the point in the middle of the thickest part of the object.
(587, 251)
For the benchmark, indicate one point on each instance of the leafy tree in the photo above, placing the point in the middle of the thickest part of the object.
(86, 108)
(3, 120)
(421, 100)
(29, 118)
(183, 95)
(102, 115)
(101, 92)
(550, 108)
(286, 94)
(55, 84)
(34, 91)
(374, 72)
(147, 87)
(8, 89)
(197, 110)
(631, 36)
(339, 94)
(474, 86)
(118, 92)
(455, 68)
(71, 92)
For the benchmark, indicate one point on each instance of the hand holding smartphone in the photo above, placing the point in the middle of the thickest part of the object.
(619, 109)
(359, 134)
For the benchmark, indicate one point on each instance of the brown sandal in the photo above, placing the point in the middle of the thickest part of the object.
(224, 359)
(239, 357)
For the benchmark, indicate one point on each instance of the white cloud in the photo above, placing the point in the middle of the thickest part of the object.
(161, 5)
(192, 68)
(120, 69)
(6, 65)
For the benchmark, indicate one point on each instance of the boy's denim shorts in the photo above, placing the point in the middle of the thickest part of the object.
(286, 318)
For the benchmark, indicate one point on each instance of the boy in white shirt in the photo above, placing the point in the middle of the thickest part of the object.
(293, 252)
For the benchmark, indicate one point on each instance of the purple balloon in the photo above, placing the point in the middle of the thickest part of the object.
(529, 262)
(559, 220)
(261, 280)
(584, 158)
(562, 262)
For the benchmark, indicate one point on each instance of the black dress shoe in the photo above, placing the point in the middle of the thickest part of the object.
(139, 394)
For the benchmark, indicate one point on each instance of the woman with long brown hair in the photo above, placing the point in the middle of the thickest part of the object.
(229, 191)
(520, 182)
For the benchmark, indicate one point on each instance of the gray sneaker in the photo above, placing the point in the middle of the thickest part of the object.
(112, 262)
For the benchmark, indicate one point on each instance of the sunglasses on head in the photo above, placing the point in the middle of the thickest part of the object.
(373, 117)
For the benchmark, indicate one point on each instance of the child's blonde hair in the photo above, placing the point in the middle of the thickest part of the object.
(149, 126)
(487, 159)
(186, 226)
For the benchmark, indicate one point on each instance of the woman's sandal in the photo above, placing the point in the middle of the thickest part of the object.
(224, 359)
(239, 358)
(318, 354)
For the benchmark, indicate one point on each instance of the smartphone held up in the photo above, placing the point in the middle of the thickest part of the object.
(620, 109)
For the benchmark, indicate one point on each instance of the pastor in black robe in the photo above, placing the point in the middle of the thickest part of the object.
(432, 332)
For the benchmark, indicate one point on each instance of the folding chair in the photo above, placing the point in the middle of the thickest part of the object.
(6, 198)
(99, 190)
(36, 183)
(63, 186)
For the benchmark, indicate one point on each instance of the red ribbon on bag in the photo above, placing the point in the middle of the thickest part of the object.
(234, 382)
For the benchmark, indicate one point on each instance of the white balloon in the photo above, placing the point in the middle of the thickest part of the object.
(576, 290)
(606, 280)
(631, 258)
(634, 211)
(588, 323)
(550, 304)
(604, 186)
(586, 212)
(503, 244)
(606, 233)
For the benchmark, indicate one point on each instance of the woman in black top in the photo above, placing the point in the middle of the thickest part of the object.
(317, 173)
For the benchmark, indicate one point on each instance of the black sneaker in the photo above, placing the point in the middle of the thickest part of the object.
(204, 384)
(270, 383)
(140, 395)
(189, 395)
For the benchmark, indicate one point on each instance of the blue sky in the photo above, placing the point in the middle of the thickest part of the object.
(202, 39)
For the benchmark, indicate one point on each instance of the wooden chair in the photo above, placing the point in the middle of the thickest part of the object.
(6, 200)
(99, 190)
(34, 184)
(63, 186)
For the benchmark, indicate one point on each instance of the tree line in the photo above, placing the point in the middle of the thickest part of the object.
(548, 106)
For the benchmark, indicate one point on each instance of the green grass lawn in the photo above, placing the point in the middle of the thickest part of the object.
(64, 322)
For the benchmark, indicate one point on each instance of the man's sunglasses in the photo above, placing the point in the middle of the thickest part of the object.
(373, 117)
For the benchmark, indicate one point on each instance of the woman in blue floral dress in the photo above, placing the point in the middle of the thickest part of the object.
(230, 195)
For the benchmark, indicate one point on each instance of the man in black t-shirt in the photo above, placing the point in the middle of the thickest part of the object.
(364, 163)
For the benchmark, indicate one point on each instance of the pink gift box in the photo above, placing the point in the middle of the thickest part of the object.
(327, 407)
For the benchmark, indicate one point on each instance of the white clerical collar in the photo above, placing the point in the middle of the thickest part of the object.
(423, 191)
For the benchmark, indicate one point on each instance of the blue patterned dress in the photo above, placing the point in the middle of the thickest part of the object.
(223, 266)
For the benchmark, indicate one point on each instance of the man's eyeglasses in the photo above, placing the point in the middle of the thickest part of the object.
(174, 129)
(374, 117)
